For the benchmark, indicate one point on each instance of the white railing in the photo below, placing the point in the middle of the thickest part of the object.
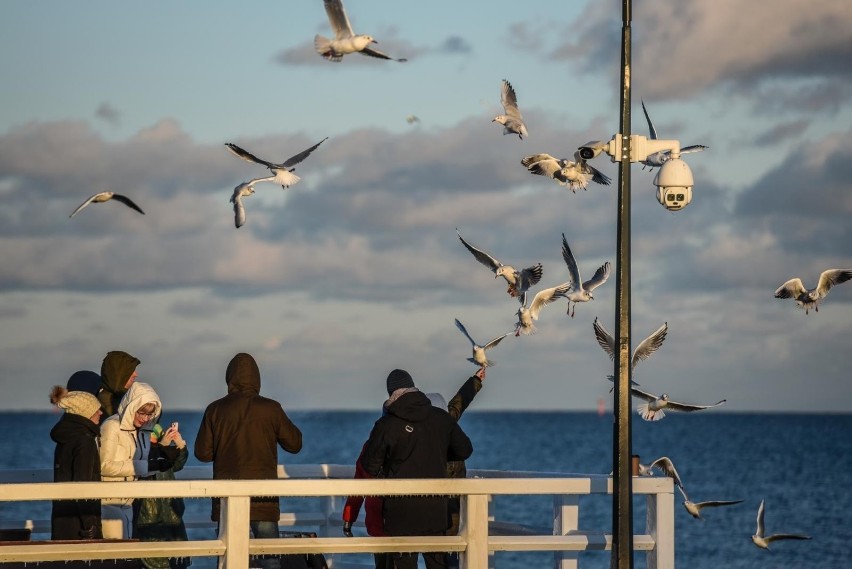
(332, 483)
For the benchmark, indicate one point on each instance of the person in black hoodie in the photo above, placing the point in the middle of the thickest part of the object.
(76, 459)
(118, 372)
(413, 440)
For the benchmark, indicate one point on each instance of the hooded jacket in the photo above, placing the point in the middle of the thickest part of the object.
(241, 432)
(116, 369)
(414, 440)
(75, 460)
(124, 448)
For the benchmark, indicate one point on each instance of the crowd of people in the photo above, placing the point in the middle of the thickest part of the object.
(110, 431)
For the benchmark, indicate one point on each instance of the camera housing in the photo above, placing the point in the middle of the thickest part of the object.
(592, 149)
(674, 183)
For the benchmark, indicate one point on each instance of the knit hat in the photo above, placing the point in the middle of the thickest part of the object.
(399, 379)
(87, 381)
(75, 402)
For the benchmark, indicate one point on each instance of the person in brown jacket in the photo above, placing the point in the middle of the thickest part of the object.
(240, 433)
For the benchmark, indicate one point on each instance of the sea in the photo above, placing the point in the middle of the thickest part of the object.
(799, 464)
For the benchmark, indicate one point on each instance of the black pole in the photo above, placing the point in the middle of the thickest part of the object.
(622, 492)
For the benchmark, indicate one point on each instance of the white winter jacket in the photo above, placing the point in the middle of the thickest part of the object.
(124, 448)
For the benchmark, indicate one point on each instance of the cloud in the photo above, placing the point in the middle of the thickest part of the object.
(455, 45)
(781, 132)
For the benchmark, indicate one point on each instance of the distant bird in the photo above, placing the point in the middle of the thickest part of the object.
(281, 173)
(810, 298)
(694, 508)
(581, 291)
(571, 174)
(541, 299)
(479, 357)
(105, 197)
(241, 191)
(512, 121)
(411, 119)
(664, 465)
(763, 541)
(345, 40)
(642, 352)
(654, 409)
(519, 281)
(657, 159)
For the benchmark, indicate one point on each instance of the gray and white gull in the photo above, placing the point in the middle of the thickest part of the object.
(479, 357)
(282, 173)
(581, 291)
(808, 298)
(762, 540)
(345, 40)
(572, 174)
(102, 197)
(657, 159)
(519, 281)
(511, 119)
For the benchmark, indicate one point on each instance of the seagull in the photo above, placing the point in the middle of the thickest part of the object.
(809, 298)
(582, 291)
(281, 173)
(519, 281)
(653, 410)
(512, 121)
(694, 508)
(763, 541)
(642, 352)
(540, 300)
(657, 159)
(663, 464)
(571, 174)
(479, 357)
(345, 40)
(105, 197)
(241, 191)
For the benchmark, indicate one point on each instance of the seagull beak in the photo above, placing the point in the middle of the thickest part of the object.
(374, 41)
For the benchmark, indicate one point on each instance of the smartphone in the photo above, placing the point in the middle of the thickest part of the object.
(174, 426)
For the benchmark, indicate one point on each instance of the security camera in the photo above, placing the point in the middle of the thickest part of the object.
(592, 149)
(674, 184)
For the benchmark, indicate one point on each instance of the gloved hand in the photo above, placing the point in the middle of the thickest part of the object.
(347, 529)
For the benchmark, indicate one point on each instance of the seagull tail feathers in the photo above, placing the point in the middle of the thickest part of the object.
(649, 414)
(323, 46)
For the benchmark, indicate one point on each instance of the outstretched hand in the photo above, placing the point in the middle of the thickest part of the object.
(480, 373)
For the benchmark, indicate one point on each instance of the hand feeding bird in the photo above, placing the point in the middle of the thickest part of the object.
(519, 281)
(102, 197)
(541, 299)
(512, 121)
(657, 159)
(642, 352)
(281, 173)
(479, 358)
(761, 540)
(345, 40)
(654, 409)
(582, 291)
(564, 172)
(242, 190)
(809, 298)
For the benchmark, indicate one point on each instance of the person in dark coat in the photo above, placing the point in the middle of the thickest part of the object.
(76, 459)
(240, 433)
(413, 439)
(118, 372)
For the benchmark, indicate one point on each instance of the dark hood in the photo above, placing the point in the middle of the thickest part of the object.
(71, 427)
(116, 370)
(413, 407)
(243, 374)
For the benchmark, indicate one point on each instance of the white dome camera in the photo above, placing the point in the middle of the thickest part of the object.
(674, 184)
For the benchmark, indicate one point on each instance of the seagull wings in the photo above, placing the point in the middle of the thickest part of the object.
(547, 296)
(292, 161)
(338, 19)
(510, 101)
(480, 255)
(830, 278)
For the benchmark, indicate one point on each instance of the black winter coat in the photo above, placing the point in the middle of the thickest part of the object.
(241, 433)
(76, 459)
(414, 440)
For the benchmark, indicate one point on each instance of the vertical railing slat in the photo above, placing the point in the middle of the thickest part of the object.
(234, 530)
(566, 518)
(474, 528)
(660, 526)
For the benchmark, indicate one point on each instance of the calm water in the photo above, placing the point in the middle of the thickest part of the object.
(800, 464)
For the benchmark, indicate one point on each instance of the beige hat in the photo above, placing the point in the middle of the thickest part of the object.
(75, 402)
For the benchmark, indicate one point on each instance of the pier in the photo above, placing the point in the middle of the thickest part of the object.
(479, 535)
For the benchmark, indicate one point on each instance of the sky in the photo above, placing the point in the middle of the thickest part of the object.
(357, 269)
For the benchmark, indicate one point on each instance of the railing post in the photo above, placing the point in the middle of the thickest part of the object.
(234, 531)
(474, 529)
(566, 518)
(660, 525)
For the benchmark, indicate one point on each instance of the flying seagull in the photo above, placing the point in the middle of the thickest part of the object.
(582, 291)
(810, 298)
(512, 121)
(642, 352)
(105, 197)
(568, 173)
(763, 541)
(519, 281)
(541, 299)
(653, 410)
(241, 191)
(694, 508)
(281, 173)
(479, 357)
(657, 159)
(664, 465)
(345, 40)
